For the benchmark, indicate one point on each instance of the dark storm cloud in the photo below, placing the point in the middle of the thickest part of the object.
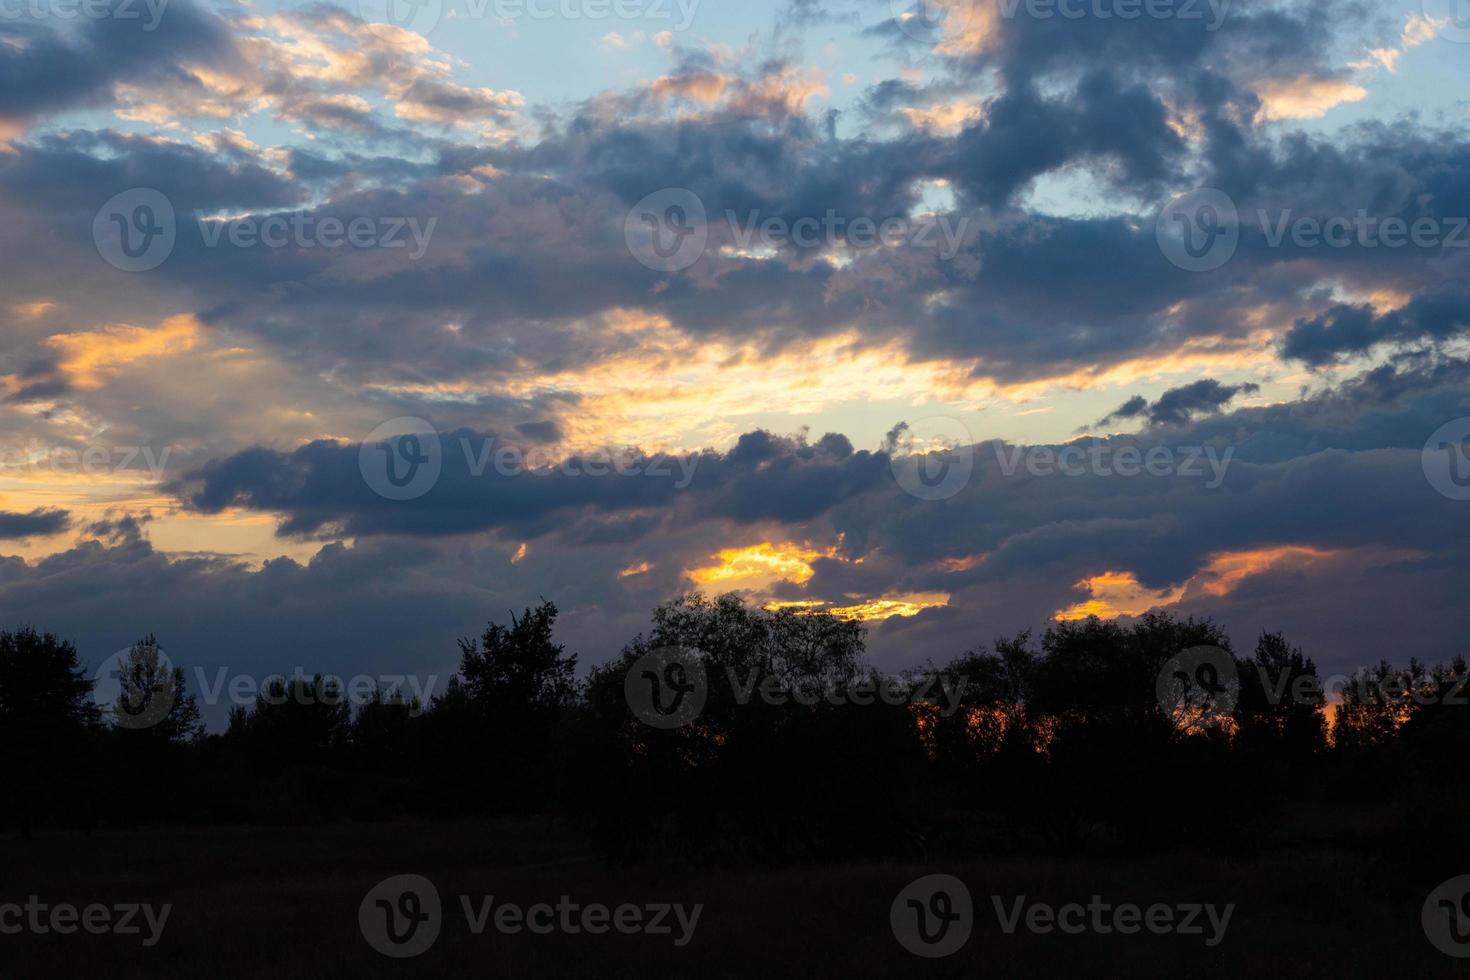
(52, 66)
(1026, 135)
(321, 487)
(1179, 405)
(1346, 330)
(80, 171)
(37, 523)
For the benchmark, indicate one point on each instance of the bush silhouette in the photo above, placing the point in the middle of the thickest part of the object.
(1056, 742)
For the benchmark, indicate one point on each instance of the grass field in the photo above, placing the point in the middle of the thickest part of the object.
(283, 904)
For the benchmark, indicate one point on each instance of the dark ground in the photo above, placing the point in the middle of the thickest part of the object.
(283, 903)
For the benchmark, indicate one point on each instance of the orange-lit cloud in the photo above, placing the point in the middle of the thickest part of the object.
(667, 389)
(757, 568)
(1226, 571)
(967, 28)
(33, 310)
(1119, 593)
(760, 566)
(953, 565)
(661, 389)
(307, 66)
(871, 610)
(1305, 97)
(90, 358)
(783, 92)
(642, 568)
(945, 119)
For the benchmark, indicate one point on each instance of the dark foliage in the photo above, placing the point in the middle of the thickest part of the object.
(800, 752)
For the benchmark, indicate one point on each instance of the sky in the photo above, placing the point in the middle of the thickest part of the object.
(333, 331)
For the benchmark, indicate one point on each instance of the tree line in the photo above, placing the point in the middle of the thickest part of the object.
(1056, 743)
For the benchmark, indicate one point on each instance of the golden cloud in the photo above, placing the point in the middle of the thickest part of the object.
(90, 358)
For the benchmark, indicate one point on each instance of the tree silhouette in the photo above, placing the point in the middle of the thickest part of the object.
(519, 669)
(490, 737)
(153, 698)
(293, 746)
(819, 776)
(48, 725)
(1060, 742)
(1281, 701)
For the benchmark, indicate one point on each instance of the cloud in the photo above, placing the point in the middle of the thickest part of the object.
(1305, 97)
(1345, 330)
(47, 67)
(37, 523)
(1179, 405)
(87, 359)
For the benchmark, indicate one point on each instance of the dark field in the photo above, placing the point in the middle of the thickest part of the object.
(283, 903)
